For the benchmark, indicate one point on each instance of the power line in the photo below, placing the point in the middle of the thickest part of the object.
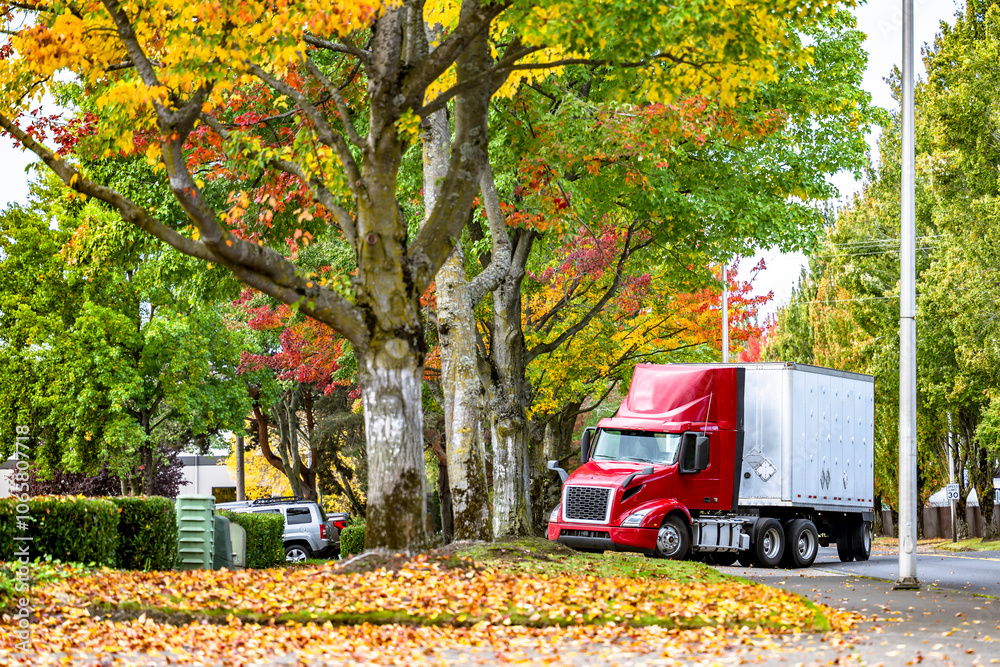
(860, 298)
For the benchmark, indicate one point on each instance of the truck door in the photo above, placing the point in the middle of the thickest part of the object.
(697, 484)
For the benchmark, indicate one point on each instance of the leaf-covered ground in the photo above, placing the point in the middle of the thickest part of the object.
(513, 606)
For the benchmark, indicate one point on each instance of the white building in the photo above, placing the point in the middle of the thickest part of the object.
(205, 475)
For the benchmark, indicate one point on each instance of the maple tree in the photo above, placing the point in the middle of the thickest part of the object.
(157, 71)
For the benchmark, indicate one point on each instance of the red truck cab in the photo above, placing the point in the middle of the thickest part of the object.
(670, 450)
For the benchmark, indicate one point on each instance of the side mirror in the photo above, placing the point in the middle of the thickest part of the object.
(585, 444)
(695, 453)
(701, 452)
(563, 475)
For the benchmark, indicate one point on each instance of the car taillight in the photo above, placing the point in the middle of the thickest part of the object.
(322, 531)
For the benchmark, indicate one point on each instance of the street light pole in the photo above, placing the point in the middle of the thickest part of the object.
(907, 327)
(951, 480)
(725, 315)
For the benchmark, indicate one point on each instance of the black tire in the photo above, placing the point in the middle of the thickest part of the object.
(723, 558)
(673, 540)
(769, 543)
(297, 553)
(845, 544)
(861, 540)
(801, 543)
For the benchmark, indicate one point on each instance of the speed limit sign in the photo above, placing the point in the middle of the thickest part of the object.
(951, 492)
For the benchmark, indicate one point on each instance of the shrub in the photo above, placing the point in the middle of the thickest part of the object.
(352, 538)
(72, 529)
(265, 537)
(147, 533)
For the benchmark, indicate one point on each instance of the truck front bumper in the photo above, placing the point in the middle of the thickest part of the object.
(603, 538)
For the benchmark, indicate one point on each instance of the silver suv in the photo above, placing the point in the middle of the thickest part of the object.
(308, 532)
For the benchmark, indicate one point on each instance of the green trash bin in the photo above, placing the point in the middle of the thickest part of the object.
(195, 532)
(223, 557)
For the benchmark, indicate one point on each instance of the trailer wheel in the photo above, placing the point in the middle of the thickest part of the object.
(845, 543)
(802, 542)
(861, 540)
(673, 540)
(769, 546)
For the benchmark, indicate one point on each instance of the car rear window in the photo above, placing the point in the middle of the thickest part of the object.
(297, 515)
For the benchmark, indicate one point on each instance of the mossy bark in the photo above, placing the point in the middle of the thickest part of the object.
(509, 396)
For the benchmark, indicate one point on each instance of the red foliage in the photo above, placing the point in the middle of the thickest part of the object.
(308, 351)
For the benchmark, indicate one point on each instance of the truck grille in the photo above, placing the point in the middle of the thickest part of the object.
(587, 503)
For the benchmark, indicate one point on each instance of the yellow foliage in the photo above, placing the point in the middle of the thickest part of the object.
(261, 479)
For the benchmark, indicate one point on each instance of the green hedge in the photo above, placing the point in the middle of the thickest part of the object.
(147, 533)
(352, 538)
(265, 537)
(73, 529)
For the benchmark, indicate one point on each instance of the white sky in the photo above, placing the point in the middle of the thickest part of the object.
(881, 20)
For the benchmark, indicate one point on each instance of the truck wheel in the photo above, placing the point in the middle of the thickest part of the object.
(769, 546)
(673, 541)
(845, 544)
(802, 543)
(861, 540)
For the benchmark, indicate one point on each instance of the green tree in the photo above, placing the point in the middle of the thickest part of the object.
(99, 353)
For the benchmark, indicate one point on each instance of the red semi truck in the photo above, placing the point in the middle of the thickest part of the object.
(761, 463)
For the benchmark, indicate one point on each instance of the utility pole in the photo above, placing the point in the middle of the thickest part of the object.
(725, 314)
(951, 480)
(907, 328)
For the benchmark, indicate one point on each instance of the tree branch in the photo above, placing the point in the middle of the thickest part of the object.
(544, 348)
(361, 54)
(324, 196)
(338, 99)
(474, 22)
(325, 133)
(259, 267)
(499, 265)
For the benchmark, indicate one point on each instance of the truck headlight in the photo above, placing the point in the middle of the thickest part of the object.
(554, 516)
(635, 518)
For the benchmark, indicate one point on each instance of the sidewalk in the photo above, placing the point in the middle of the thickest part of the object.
(938, 626)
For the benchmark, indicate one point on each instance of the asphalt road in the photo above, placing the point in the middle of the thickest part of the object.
(975, 572)
(950, 621)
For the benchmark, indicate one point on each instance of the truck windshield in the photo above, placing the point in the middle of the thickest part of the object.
(620, 445)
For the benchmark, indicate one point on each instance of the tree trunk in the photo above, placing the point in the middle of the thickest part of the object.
(241, 489)
(559, 433)
(391, 394)
(961, 527)
(460, 383)
(447, 510)
(508, 399)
